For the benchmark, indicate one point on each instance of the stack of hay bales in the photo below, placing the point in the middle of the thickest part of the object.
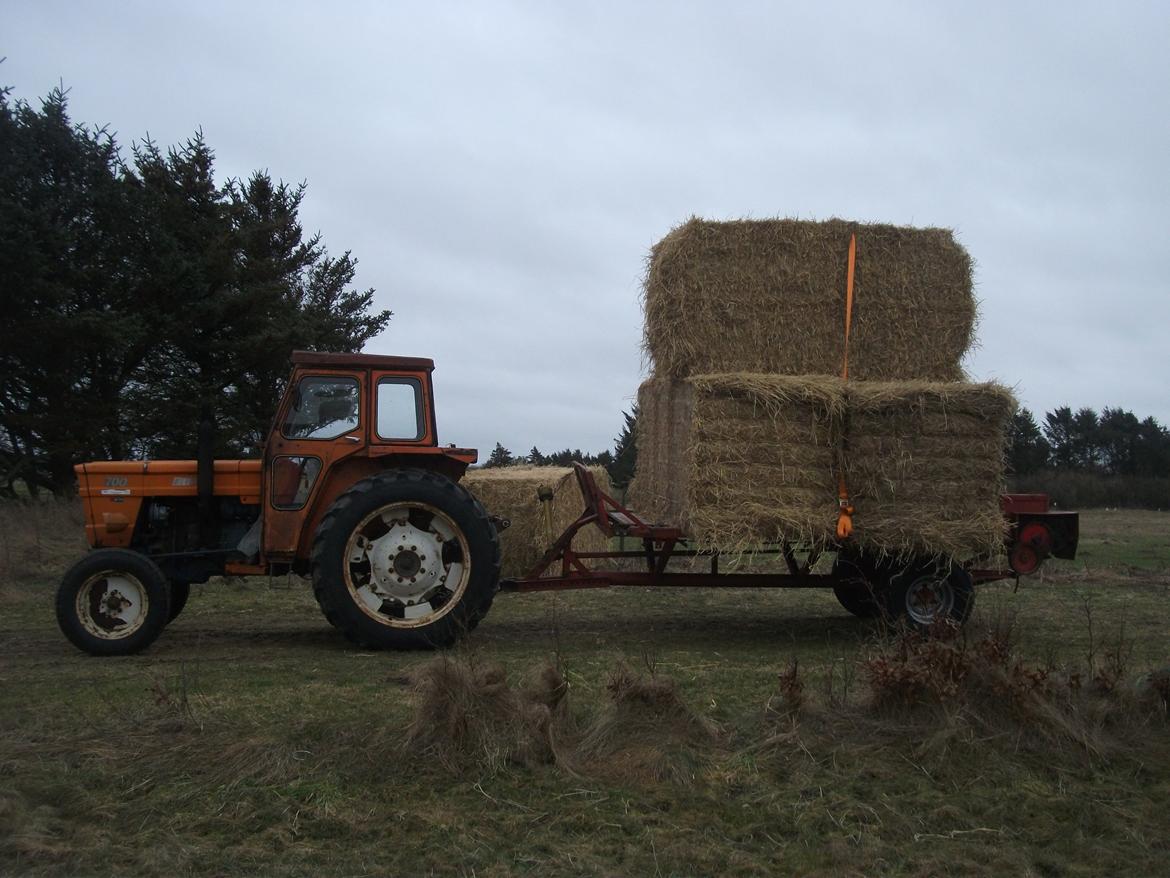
(746, 426)
(513, 492)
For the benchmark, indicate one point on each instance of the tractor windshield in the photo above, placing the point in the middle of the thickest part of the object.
(323, 408)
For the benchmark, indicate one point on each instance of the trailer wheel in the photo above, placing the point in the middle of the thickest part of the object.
(180, 591)
(858, 600)
(113, 602)
(406, 559)
(924, 593)
(862, 582)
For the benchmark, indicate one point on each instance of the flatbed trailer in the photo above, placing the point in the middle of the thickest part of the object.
(919, 588)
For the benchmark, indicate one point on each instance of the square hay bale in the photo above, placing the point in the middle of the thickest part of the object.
(512, 492)
(740, 460)
(924, 463)
(769, 296)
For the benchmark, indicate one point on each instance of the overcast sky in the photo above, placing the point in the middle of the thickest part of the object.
(500, 170)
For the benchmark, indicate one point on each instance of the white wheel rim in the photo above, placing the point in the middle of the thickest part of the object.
(112, 605)
(929, 598)
(407, 565)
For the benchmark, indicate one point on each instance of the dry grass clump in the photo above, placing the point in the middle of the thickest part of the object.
(645, 732)
(39, 539)
(28, 831)
(466, 713)
(769, 296)
(740, 460)
(513, 492)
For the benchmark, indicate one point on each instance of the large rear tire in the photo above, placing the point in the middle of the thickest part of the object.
(406, 559)
(113, 602)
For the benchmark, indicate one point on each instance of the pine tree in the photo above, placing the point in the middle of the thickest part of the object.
(136, 299)
(73, 332)
(1027, 450)
(242, 288)
(500, 456)
(625, 452)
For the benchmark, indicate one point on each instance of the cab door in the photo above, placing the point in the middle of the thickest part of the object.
(324, 420)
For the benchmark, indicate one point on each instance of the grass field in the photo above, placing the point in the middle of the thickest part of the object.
(252, 739)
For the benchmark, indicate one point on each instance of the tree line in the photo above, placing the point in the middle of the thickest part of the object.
(139, 296)
(1086, 458)
(619, 462)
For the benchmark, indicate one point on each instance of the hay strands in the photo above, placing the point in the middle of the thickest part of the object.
(562, 567)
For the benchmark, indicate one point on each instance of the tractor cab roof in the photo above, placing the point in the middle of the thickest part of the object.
(360, 361)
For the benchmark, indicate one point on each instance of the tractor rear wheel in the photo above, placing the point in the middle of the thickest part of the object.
(113, 602)
(406, 559)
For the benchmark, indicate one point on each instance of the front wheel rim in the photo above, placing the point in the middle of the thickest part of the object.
(407, 565)
(929, 598)
(112, 605)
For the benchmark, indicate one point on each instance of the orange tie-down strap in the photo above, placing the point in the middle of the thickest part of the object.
(844, 504)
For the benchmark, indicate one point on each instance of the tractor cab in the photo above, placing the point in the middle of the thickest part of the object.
(344, 417)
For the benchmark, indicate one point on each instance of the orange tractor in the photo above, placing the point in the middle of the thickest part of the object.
(354, 491)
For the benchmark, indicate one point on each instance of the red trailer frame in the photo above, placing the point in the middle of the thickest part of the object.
(1034, 533)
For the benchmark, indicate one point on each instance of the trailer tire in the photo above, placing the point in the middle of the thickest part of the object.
(180, 591)
(861, 584)
(926, 592)
(406, 559)
(858, 600)
(113, 602)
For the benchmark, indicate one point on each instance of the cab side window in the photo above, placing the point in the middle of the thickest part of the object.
(323, 408)
(400, 409)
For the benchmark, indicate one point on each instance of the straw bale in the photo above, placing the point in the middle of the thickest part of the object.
(768, 296)
(512, 492)
(924, 463)
(739, 460)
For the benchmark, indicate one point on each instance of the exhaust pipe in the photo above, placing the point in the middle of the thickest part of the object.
(205, 480)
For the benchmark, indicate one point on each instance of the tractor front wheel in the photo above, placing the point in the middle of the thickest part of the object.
(180, 591)
(113, 602)
(406, 559)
